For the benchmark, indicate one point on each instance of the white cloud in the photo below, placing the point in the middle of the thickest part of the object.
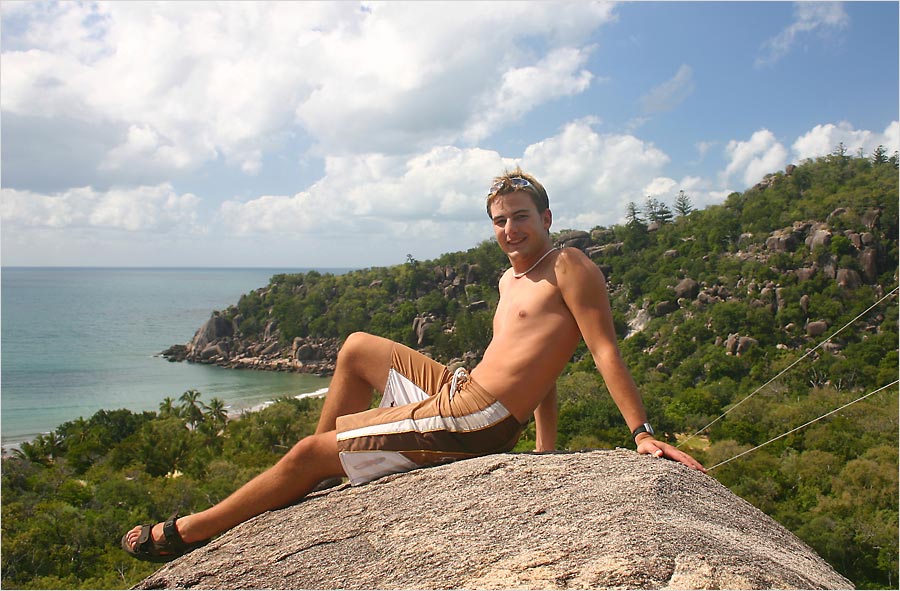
(670, 93)
(824, 18)
(701, 191)
(193, 84)
(755, 158)
(660, 186)
(157, 209)
(375, 194)
(824, 139)
(589, 177)
(703, 148)
(520, 90)
(114, 103)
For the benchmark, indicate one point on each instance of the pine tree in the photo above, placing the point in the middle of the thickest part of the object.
(633, 215)
(657, 211)
(683, 205)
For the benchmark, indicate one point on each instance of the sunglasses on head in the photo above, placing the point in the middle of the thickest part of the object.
(515, 182)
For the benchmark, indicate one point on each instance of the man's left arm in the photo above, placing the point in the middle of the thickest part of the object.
(583, 288)
(545, 419)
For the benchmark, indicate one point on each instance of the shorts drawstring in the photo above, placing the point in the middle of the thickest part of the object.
(460, 377)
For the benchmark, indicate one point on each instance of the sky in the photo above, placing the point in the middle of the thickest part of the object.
(353, 134)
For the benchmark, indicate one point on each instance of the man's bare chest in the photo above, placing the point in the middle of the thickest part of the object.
(523, 305)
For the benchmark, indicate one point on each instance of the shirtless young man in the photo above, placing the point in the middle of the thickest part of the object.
(549, 300)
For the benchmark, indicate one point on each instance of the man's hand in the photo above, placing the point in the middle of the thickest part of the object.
(658, 449)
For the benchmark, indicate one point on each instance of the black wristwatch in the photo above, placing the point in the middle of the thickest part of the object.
(645, 428)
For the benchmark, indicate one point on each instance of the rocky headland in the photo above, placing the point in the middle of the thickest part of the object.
(226, 340)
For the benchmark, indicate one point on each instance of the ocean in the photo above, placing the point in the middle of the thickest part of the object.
(77, 340)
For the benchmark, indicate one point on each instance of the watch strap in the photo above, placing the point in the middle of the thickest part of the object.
(645, 428)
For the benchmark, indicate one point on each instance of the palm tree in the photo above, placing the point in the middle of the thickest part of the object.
(167, 407)
(216, 412)
(191, 407)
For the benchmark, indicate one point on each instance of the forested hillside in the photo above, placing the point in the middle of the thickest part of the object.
(775, 308)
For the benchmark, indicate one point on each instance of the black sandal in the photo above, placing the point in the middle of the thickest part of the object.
(168, 549)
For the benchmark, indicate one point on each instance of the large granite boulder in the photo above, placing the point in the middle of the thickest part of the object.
(592, 520)
(687, 288)
(213, 330)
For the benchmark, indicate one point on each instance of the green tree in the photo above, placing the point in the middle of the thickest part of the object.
(215, 412)
(191, 407)
(167, 407)
(657, 211)
(683, 205)
(880, 155)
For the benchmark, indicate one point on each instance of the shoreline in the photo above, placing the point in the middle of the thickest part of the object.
(237, 413)
(8, 448)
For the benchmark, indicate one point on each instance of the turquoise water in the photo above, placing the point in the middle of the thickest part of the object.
(77, 340)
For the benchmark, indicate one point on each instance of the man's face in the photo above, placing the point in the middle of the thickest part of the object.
(520, 230)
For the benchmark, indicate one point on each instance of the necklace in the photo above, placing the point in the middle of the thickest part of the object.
(531, 268)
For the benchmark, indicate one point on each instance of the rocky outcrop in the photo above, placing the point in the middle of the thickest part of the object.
(574, 239)
(220, 342)
(737, 345)
(591, 520)
(227, 339)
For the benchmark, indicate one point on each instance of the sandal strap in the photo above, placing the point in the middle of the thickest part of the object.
(173, 538)
(145, 535)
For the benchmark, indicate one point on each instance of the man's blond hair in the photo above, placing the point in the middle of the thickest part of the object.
(504, 185)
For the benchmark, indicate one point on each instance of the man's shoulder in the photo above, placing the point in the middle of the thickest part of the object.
(569, 256)
(575, 270)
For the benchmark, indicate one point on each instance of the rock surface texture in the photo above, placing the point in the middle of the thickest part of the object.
(587, 520)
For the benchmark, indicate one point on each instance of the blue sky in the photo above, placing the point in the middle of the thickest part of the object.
(346, 134)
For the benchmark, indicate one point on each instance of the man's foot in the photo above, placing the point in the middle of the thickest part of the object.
(157, 543)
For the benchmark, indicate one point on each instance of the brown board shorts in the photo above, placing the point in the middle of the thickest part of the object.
(427, 416)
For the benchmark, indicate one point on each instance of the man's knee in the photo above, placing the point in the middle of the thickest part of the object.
(312, 452)
(359, 347)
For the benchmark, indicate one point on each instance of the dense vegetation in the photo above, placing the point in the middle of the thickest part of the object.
(68, 496)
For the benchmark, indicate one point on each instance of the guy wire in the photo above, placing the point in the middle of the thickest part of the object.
(785, 370)
(894, 383)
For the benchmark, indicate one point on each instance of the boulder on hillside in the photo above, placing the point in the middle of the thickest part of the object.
(872, 216)
(687, 288)
(848, 278)
(819, 236)
(816, 328)
(590, 520)
(665, 307)
(611, 249)
(868, 260)
(574, 238)
(782, 241)
(639, 322)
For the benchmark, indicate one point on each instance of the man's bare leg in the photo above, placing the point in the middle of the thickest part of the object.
(362, 366)
(310, 461)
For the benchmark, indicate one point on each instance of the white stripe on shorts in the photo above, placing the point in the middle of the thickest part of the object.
(480, 419)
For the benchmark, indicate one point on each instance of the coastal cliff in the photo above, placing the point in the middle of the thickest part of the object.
(583, 520)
